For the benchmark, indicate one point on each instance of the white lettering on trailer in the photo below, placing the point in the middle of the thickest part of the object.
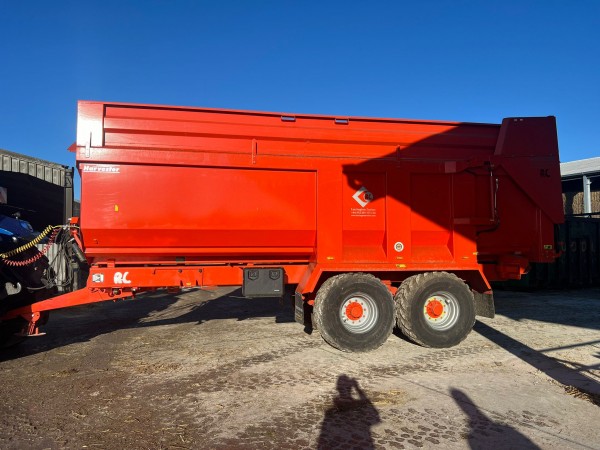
(101, 169)
(121, 278)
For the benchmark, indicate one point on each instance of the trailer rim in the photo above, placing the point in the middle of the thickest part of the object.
(337, 298)
(441, 310)
(359, 313)
(414, 321)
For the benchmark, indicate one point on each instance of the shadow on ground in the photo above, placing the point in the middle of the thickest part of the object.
(573, 379)
(80, 324)
(579, 308)
(347, 423)
(479, 438)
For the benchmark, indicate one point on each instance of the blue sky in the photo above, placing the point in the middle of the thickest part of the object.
(448, 60)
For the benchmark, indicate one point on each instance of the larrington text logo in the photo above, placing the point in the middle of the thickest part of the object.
(363, 197)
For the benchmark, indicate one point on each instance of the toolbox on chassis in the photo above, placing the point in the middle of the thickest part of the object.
(374, 222)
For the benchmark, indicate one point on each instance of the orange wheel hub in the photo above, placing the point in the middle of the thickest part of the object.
(435, 309)
(354, 311)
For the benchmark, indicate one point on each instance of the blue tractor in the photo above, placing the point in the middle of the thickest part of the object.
(25, 277)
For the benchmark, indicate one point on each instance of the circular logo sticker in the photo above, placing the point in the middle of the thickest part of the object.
(398, 246)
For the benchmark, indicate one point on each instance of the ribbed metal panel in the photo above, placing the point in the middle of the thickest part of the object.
(580, 167)
(38, 168)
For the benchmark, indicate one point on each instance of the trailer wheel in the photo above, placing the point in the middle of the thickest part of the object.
(435, 309)
(354, 312)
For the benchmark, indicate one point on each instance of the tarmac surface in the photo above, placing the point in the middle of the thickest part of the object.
(210, 369)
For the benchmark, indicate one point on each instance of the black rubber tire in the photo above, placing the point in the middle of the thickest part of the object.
(331, 297)
(8, 328)
(410, 301)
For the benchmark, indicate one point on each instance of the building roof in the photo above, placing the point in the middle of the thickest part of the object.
(44, 170)
(581, 167)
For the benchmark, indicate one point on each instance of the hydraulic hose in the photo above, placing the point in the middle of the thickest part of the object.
(4, 256)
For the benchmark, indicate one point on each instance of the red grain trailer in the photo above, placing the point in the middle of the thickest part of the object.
(374, 222)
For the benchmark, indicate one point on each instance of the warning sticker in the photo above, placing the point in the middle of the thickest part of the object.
(98, 278)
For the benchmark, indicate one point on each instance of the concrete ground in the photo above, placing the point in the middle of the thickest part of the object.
(214, 370)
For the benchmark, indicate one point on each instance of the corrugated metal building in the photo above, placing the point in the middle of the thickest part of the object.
(581, 187)
(41, 191)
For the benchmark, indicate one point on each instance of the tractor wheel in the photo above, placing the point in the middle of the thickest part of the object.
(435, 309)
(354, 312)
(8, 328)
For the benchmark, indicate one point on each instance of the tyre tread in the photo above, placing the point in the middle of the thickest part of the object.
(404, 300)
(320, 304)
